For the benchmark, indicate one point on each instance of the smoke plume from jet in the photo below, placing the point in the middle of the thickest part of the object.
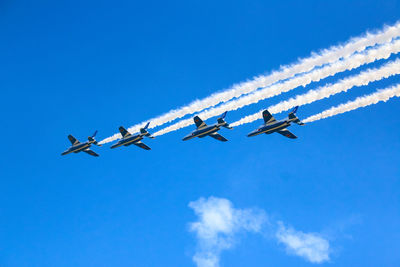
(355, 61)
(360, 102)
(362, 79)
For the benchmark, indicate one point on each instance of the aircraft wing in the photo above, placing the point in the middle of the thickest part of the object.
(199, 122)
(285, 132)
(124, 132)
(73, 140)
(141, 145)
(268, 118)
(91, 152)
(218, 137)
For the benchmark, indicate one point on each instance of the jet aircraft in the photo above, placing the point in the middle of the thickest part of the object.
(271, 125)
(78, 146)
(204, 130)
(129, 139)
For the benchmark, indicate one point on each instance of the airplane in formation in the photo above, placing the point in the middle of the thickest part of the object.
(204, 130)
(78, 146)
(271, 125)
(129, 139)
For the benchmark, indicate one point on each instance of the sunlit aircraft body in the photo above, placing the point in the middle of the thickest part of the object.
(129, 139)
(204, 130)
(271, 125)
(78, 146)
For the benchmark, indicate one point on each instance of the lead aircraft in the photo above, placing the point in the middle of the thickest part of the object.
(78, 146)
(204, 130)
(271, 125)
(129, 139)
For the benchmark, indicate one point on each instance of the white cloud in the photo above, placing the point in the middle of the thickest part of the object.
(217, 226)
(310, 246)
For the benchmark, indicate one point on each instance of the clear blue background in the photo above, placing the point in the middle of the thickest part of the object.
(71, 67)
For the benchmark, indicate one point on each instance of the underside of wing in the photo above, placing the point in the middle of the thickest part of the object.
(285, 132)
(91, 152)
(141, 145)
(199, 122)
(218, 137)
(268, 118)
(73, 140)
(124, 132)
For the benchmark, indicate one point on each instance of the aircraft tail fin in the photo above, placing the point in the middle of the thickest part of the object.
(222, 122)
(292, 116)
(92, 140)
(144, 132)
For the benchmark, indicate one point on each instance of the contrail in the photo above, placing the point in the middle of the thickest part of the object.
(360, 102)
(355, 61)
(362, 79)
(326, 56)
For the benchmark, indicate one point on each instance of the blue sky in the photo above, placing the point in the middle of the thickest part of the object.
(71, 67)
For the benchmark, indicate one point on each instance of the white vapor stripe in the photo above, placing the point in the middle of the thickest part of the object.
(363, 101)
(355, 61)
(362, 79)
(326, 56)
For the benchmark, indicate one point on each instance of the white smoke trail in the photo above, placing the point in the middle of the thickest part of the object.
(362, 79)
(360, 102)
(355, 61)
(326, 56)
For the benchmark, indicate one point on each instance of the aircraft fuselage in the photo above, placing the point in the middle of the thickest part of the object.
(202, 132)
(270, 128)
(128, 141)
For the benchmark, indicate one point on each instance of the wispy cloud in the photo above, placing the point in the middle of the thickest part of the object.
(311, 246)
(219, 224)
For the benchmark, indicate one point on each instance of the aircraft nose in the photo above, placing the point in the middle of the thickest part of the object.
(116, 145)
(252, 133)
(187, 137)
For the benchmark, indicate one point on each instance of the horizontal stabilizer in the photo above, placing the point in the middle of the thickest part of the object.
(292, 116)
(222, 122)
(144, 132)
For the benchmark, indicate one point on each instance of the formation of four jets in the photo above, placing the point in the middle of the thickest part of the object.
(271, 125)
